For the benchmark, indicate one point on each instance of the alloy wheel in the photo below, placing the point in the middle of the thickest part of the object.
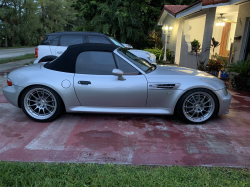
(198, 107)
(40, 103)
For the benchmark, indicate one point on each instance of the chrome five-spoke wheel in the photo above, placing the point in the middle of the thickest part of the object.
(41, 103)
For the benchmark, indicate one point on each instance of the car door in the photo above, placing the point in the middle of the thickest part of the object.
(67, 40)
(96, 86)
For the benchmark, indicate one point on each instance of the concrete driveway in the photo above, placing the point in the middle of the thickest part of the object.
(9, 53)
(128, 139)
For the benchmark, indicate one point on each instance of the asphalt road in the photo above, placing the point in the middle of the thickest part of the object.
(8, 53)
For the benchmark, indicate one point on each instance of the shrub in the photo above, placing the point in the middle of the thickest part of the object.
(214, 65)
(241, 67)
(155, 37)
(195, 43)
(217, 63)
(242, 80)
(170, 56)
(159, 53)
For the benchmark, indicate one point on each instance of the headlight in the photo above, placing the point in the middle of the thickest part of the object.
(225, 91)
(150, 57)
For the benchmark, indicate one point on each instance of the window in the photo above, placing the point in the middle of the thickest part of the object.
(142, 64)
(71, 40)
(95, 62)
(116, 42)
(125, 67)
(50, 40)
(98, 39)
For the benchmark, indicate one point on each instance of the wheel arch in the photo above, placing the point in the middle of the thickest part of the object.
(205, 88)
(20, 95)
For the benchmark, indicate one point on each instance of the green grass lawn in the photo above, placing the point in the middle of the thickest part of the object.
(58, 174)
(23, 57)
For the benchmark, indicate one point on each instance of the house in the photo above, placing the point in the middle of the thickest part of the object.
(228, 21)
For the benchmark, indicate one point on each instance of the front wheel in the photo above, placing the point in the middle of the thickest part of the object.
(41, 104)
(197, 106)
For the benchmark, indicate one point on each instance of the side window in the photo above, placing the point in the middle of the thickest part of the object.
(98, 39)
(125, 67)
(95, 62)
(50, 40)
(71, 40)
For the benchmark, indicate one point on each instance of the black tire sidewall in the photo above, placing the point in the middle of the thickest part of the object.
(179, 110)
(59, 108)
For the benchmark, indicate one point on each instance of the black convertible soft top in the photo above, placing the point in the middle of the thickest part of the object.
(67, 61)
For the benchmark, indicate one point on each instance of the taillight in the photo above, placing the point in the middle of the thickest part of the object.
(9, 82)
(36, 52)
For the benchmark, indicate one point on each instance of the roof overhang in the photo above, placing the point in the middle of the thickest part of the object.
(162, 17)
(196, 7)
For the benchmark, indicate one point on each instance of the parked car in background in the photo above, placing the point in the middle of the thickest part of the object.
(128, 46)
(105, 78)
(55, 44)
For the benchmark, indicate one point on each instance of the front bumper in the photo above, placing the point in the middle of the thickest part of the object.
(224, 101)
(11, 93)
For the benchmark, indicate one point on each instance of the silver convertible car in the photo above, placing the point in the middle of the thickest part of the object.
(103, 78)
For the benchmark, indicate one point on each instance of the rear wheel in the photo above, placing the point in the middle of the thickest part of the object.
(41, 103)
(197, 106)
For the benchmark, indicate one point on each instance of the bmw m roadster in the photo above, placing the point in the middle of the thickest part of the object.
(103, 78)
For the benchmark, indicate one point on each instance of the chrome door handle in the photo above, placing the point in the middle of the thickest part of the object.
(60, 52)
(84, 82)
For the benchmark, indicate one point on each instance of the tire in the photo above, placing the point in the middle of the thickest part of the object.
(197, 106)
(41, 104)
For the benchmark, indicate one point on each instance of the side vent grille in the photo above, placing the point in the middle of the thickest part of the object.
(160, 86)
(168, 86)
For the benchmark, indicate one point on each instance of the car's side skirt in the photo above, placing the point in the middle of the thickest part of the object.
(121, 110)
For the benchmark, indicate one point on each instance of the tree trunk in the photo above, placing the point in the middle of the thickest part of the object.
(12, 36)
(6, 40)
(43, 15)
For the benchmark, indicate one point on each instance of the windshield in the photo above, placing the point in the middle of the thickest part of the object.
(117, 42)
(142, 64)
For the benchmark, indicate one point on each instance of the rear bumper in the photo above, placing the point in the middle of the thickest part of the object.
(224, 101)
(11, 93)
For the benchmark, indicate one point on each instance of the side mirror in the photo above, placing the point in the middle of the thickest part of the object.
(118, 73)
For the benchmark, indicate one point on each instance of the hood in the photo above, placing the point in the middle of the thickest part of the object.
(173, 70)
(186, 77)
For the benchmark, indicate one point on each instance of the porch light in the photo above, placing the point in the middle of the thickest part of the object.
(220, 24)
(166, 29)
(221, 21)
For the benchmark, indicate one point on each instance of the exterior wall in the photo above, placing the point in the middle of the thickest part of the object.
(170, 21)
(217, 34)
(231, 37)
(186, 59)
(196, 31)
(244, 13)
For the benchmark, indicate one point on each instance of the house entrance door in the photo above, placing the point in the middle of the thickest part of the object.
(224, 39)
